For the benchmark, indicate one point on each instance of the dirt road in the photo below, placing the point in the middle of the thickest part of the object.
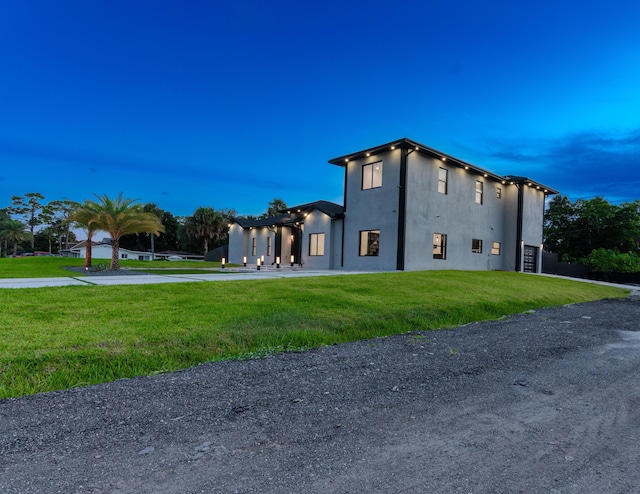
(547, 401)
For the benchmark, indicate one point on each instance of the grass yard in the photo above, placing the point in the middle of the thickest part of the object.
(55, 338)
(45, 267)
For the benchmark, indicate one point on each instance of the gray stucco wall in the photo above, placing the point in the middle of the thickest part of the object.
(372, 209)
(454, 214)
(317, 222)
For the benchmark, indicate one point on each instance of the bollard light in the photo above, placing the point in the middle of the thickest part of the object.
(244, 261)
(258, 264)
(277, 262)
(224, 261)
(293, 258)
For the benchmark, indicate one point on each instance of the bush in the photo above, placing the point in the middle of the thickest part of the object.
(609, 261)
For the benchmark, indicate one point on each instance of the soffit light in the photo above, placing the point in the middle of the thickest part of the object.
(466, 167)
(393, 147)
(486, 175)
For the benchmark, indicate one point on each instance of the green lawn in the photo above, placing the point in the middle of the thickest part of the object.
(54, 338)
(45, 267)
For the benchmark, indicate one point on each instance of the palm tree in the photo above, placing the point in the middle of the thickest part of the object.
(85, 217)
(205, 224)
(15, 231)
(120, 216)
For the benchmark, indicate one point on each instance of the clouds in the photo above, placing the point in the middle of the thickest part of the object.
(578, 165)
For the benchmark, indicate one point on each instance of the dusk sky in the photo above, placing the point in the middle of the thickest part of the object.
(230, 104)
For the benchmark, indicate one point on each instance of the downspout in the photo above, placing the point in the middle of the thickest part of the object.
(344, 216)
(402, 207)
(519, 226)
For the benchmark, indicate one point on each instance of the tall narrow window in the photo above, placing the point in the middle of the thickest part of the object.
(499, 192)
(479, 186)
(269, 246)
(316, 244)
(253, 246)
(369, 242)
(372, 175)
(495, 248)
(476, 246)
(439, 246)
(443, 174)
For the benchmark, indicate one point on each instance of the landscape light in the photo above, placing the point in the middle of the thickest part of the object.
(223, 262)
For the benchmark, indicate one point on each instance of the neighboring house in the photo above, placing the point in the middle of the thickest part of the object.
(407, 207)
(102, 250)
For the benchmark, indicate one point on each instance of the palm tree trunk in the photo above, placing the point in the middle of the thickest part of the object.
(87, 254)
(115, 254)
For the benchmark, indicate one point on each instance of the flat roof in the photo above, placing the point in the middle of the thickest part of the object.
(414, 146)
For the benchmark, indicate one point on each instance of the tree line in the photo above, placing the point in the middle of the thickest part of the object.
(31, 224)
(604, 236)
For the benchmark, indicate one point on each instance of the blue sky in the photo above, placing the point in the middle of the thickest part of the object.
(230, 104)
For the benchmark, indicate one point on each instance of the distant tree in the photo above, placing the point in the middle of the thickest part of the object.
(14, 231)
(167, 240)
(573, 230)
(274, 208)
(120, 216)
(204, 224)
(28, 207)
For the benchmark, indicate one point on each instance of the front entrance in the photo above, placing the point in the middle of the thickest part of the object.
(530, 259)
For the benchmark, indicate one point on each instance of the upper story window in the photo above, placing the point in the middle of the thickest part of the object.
(443, 175)
(369, 242)
(316, 244)
(499, 192)
(372, 175)
(439, 246)
(479, 190)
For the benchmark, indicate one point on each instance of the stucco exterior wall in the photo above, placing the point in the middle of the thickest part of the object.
(372, 209)
(317, 222)
(454, 214)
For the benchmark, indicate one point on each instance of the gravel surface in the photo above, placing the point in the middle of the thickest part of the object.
(547, 401)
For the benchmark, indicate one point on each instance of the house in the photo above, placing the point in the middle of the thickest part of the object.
(102, 250)
(308, 235)
(406, 207)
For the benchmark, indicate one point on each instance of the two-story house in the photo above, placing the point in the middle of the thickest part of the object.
(407, 207)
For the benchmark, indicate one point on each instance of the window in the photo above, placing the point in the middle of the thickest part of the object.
(372, 175)
(442, 180)
(476, 246)
(269, 246)
(253, 246)
(369, 242)
(495, 248)
(439, 246)
(499, 192)
(479, 185)
(316, 244)
(123, 256)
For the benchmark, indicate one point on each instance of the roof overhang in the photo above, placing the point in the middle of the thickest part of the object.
(413, 146)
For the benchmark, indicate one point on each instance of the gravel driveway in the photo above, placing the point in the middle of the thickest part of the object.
(547, 401)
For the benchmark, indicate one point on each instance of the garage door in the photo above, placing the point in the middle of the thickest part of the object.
(530, 259)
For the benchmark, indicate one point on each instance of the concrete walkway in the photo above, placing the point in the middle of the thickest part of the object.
(149, 279)
(231, 274)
